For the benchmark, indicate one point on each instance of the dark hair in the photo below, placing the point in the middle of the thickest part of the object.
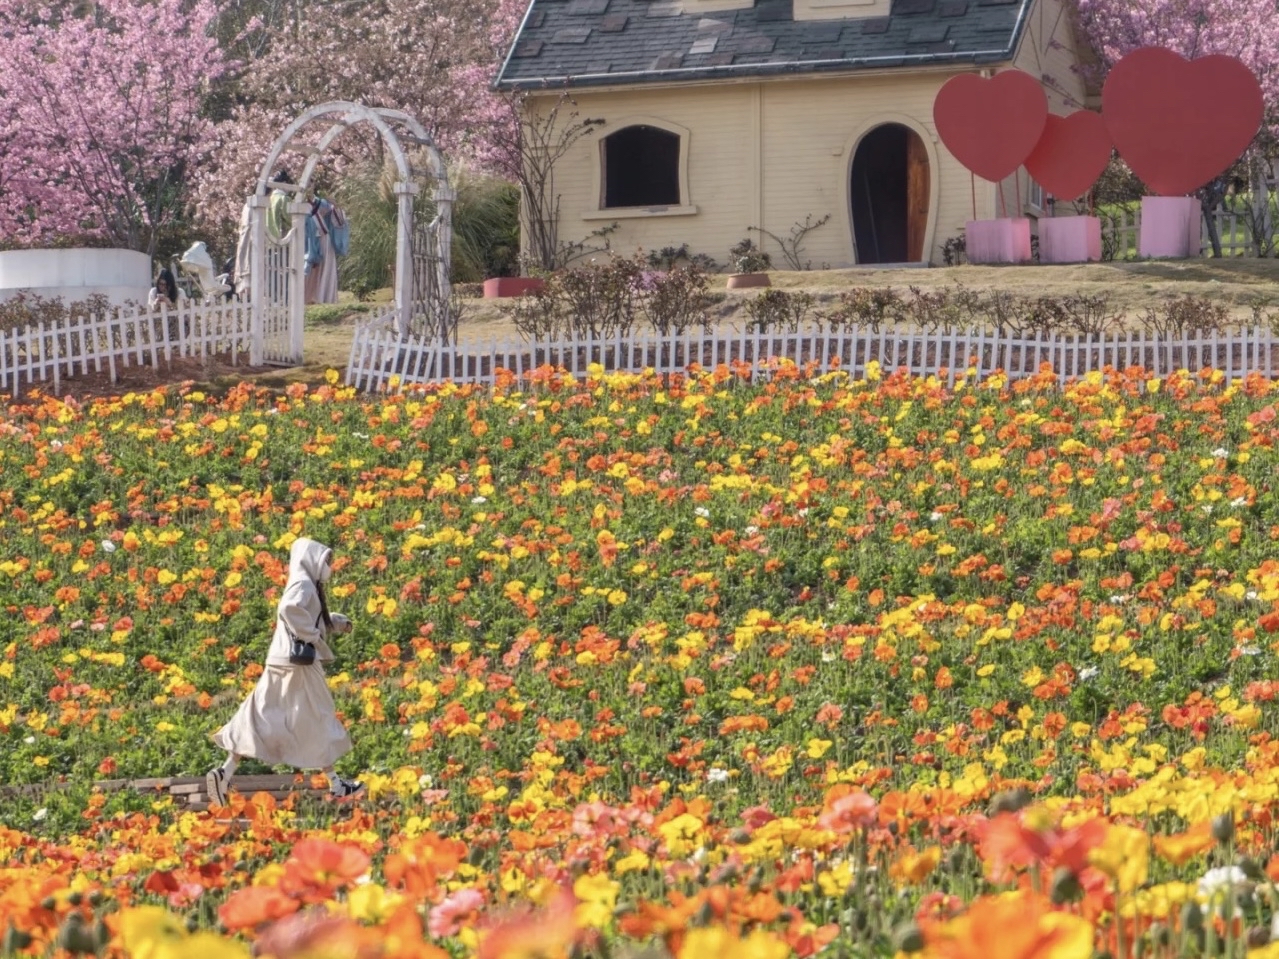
(167, 276)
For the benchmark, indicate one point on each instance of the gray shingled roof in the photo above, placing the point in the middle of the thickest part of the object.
(583, 43)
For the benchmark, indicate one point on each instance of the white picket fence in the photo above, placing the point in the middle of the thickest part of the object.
(1122, 230)
(47, 353)
(380, 359)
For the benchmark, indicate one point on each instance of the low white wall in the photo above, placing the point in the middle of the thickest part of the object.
(76, 274)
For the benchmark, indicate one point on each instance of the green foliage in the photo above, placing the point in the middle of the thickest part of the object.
(485, 227)
(746, 257)
(332, 314)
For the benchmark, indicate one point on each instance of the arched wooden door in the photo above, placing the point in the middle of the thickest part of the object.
(889, 197)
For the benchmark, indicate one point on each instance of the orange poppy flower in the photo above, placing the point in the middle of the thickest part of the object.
(319, 866)
(525, 934)
(1012, 926)
(314, 935)
(421, 862)
(847, 809)
(1009, 842)
(1180, 848)
(255, 906)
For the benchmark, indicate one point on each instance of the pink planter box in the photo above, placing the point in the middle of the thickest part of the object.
(1171, 226)
(502, 286)
(998, 241)
(1069, 239)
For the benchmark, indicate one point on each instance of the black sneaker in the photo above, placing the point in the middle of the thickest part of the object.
(345, 789)
(217, 785)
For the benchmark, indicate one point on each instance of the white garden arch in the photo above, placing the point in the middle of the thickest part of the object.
(422, 249)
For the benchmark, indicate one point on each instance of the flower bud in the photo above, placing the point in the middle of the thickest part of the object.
(1065, 886)
(1251, 868)
(74, 937)
(1011, 800)
(1159, 934)
(1192, 917)
(15, 940)
(704, 915)
(908, 937)
(1223, 827)
(101, 934)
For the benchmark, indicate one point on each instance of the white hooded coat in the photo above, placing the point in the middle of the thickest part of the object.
(290, 719)
(299, 609)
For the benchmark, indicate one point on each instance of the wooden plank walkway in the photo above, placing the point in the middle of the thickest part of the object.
(187, 792)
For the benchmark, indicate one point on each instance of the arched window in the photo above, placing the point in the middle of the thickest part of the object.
(641, 168)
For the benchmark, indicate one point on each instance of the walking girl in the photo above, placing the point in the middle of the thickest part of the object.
(289, 719)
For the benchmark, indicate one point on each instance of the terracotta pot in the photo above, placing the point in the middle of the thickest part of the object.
(745, 281)
(502, 286)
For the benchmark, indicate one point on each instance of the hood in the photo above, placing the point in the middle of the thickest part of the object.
(306, 559)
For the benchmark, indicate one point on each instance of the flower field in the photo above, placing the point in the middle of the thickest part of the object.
(646, 669)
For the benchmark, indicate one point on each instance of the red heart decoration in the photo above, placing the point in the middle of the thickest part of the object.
(991, 126)
(1071, 154)
(1177, 122)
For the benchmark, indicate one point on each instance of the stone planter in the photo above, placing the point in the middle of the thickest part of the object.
(746, 281)
(504, 286)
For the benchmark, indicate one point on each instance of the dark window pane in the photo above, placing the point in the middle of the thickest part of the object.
(641, 166)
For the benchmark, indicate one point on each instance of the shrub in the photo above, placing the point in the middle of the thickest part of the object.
(675, 300)
(31, 309)
(604, 299)
(538, 315)
(777, 311)
(865, 307)
(954, 252)
(1187, 315)
(670, 257)
(601, 297)
(1091, 315)
(746, 257)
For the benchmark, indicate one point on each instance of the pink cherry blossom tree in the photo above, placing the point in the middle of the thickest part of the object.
(1247, 29)
(431, 58)
(101, 115)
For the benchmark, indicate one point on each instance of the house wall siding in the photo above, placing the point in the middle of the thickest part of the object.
(719, 169)
(1049, 52)
(768, 154)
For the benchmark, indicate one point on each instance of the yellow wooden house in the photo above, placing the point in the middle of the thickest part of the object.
(722, 115)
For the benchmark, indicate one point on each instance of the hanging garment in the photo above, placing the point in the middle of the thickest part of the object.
(243, 252)
(278, 219)
(327, 238)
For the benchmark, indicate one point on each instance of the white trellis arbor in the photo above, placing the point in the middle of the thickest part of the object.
(422, 248)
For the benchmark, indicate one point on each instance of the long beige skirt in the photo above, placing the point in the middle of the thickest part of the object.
(288, 720)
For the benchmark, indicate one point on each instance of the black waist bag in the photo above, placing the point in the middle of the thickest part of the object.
(300, 653)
